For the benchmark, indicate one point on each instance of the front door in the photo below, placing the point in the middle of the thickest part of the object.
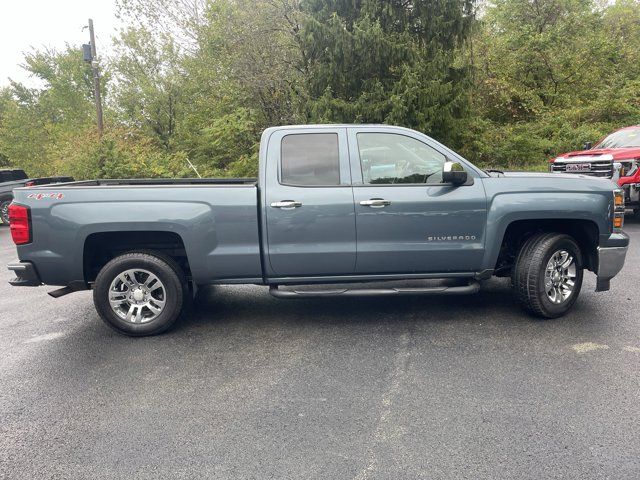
(309, 204)
(407, 220)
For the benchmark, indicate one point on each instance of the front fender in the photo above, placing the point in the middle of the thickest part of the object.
(506, 208)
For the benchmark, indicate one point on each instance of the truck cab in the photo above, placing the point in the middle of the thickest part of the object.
(367, 200)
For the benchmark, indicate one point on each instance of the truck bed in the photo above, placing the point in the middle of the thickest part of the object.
(214, 221)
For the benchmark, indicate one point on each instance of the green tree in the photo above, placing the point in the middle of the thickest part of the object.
(240, 77)
(147, 95)
(550, 75)
(370, 61)
(34, 119)
(539, 54)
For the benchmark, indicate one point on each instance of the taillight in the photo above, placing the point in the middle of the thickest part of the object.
(20, 224)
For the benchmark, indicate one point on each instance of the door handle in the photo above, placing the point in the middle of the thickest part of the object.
(375, 203)
(286, 204)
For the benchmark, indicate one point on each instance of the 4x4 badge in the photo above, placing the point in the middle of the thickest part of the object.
(40, 196)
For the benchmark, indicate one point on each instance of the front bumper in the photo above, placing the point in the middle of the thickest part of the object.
(611, 260)
(631, 194)
(26, 275)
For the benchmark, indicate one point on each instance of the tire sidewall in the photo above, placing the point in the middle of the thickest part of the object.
(4, 218)
(164, 272)
(553, 309)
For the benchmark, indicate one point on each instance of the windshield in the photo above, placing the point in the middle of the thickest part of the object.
(629, 137)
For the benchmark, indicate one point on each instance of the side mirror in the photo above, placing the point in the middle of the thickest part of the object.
(587, 146)
(453, 172)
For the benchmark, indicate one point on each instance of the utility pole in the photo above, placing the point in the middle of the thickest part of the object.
(92, 57)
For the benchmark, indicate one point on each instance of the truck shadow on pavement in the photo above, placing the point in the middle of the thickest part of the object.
(218, 306)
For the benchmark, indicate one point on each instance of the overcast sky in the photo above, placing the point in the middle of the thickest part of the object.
(35, 23)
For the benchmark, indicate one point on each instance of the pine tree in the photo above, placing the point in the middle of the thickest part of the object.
(387, 62)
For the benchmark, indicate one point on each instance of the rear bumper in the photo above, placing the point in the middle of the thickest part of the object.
(26, 275)
(611, 259)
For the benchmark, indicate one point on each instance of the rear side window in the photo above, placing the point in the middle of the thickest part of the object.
(310, 159)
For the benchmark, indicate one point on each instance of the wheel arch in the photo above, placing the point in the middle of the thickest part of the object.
(100, 248)
(584, 232)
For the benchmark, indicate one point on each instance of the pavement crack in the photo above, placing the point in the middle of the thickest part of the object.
(629, 348)
(383, 431)
(588, 347)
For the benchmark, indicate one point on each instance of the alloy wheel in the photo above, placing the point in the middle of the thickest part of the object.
(137, 296)
(560, 275)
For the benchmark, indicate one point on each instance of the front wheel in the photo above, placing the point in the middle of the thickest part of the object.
(547, 276)
(140, 294)
(4, 211)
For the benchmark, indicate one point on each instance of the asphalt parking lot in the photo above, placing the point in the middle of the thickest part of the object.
(250, 386)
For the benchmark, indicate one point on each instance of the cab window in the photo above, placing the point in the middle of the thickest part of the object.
(310, 159)
(389, 158)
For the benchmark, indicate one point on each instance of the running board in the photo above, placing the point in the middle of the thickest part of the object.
(473, 287)
(72, 287)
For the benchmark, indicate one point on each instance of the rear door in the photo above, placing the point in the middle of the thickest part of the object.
(310, 215)
(407, 220)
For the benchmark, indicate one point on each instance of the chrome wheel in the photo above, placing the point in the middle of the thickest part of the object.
(560, 275)
(137, 296)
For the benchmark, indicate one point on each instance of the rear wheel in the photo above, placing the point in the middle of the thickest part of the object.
(548, 274)
(4, 211)
(140, 294)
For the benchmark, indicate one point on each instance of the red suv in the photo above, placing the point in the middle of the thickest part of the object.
(617, 157)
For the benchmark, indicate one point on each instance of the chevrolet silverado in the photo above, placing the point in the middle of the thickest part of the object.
(337, 210)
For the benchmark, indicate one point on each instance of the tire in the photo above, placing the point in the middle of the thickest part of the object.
(4, 210)
(542, 294)
(141, 305)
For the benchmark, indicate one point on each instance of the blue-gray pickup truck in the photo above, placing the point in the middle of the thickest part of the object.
(338, 210)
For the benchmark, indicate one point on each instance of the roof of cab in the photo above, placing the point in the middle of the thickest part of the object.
(335, 125)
